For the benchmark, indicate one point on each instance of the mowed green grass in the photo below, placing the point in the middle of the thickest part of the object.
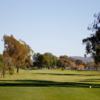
(51, 85)
(56, 76)
(48, 93)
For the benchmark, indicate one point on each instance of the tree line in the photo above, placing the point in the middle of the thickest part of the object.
(18, 54)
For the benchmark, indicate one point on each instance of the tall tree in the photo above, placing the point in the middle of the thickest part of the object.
(38, 60)
(49, 60)
(17, 51)
(93, 41)
(46, 60)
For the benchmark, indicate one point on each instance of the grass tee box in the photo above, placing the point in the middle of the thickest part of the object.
(51, 85)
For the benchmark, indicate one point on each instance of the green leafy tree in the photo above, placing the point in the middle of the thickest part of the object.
(38, 60)
(49, 60)
(46, 60)
(93, 41)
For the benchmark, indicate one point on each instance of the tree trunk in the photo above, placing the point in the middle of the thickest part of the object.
(17, 69)
(3, 72)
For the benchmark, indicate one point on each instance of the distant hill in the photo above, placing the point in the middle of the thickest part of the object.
(86, 60)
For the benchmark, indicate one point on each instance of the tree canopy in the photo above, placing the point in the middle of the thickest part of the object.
(47, 60)
(93, 41)
(17, 51)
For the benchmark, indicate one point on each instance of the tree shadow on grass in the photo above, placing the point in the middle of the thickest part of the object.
(91, 80)
(58, 74)
(44, 83)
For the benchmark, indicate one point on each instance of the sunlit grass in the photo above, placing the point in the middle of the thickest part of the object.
(48, 85)
(48, 93)
(56, 75)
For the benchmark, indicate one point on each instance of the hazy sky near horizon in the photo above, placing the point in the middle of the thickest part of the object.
(56, 26)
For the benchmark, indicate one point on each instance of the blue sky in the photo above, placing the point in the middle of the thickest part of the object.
(56, 26)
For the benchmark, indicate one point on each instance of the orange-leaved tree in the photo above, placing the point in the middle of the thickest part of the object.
(18, 51)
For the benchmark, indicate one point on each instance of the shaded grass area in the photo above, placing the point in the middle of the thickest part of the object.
(52, 78)
(45, 83)
(70, 74)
